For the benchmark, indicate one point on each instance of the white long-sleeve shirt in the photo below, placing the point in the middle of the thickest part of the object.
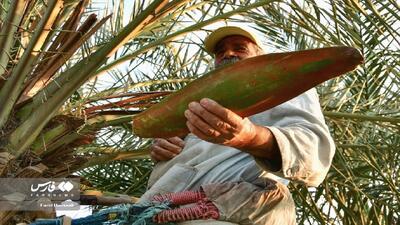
(303, 138)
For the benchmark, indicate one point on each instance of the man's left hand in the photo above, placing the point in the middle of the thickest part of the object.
(214, 123)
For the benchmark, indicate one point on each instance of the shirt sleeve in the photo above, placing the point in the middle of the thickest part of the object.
(304, 141)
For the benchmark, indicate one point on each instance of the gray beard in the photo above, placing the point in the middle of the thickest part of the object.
(227, 61)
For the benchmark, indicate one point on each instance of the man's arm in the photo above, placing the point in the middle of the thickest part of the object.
(214, 123)
(305, 147)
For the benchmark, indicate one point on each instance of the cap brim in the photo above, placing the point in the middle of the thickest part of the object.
(212, 40)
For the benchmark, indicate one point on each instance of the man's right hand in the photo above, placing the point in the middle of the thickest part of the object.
(166, 149)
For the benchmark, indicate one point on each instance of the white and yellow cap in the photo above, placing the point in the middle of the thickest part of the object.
(212, 39)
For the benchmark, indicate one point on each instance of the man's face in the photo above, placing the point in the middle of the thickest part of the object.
(234, 48)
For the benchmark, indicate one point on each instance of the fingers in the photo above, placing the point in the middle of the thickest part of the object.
(207, 121)
(212, 122)
(226, 115)
(165, 144)
(198, 123)
(177, 141)
(160, 154)
(166, 149)
(194, 130)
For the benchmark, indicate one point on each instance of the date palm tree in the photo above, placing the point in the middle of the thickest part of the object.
(70, 84)
(64, 106)
(361, 108)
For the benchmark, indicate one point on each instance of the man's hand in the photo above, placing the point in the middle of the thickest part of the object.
(166, 149)
(214, 123)
(211, 122)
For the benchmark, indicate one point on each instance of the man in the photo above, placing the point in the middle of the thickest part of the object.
(251, 157)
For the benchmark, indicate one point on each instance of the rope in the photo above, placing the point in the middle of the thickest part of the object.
(124, 214)
(92, 220)
(157, 211)
(181, 198)
(202, 210)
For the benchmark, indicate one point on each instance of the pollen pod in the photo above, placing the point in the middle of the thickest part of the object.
(248, 87)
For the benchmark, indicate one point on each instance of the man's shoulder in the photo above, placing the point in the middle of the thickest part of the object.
(305, 103)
